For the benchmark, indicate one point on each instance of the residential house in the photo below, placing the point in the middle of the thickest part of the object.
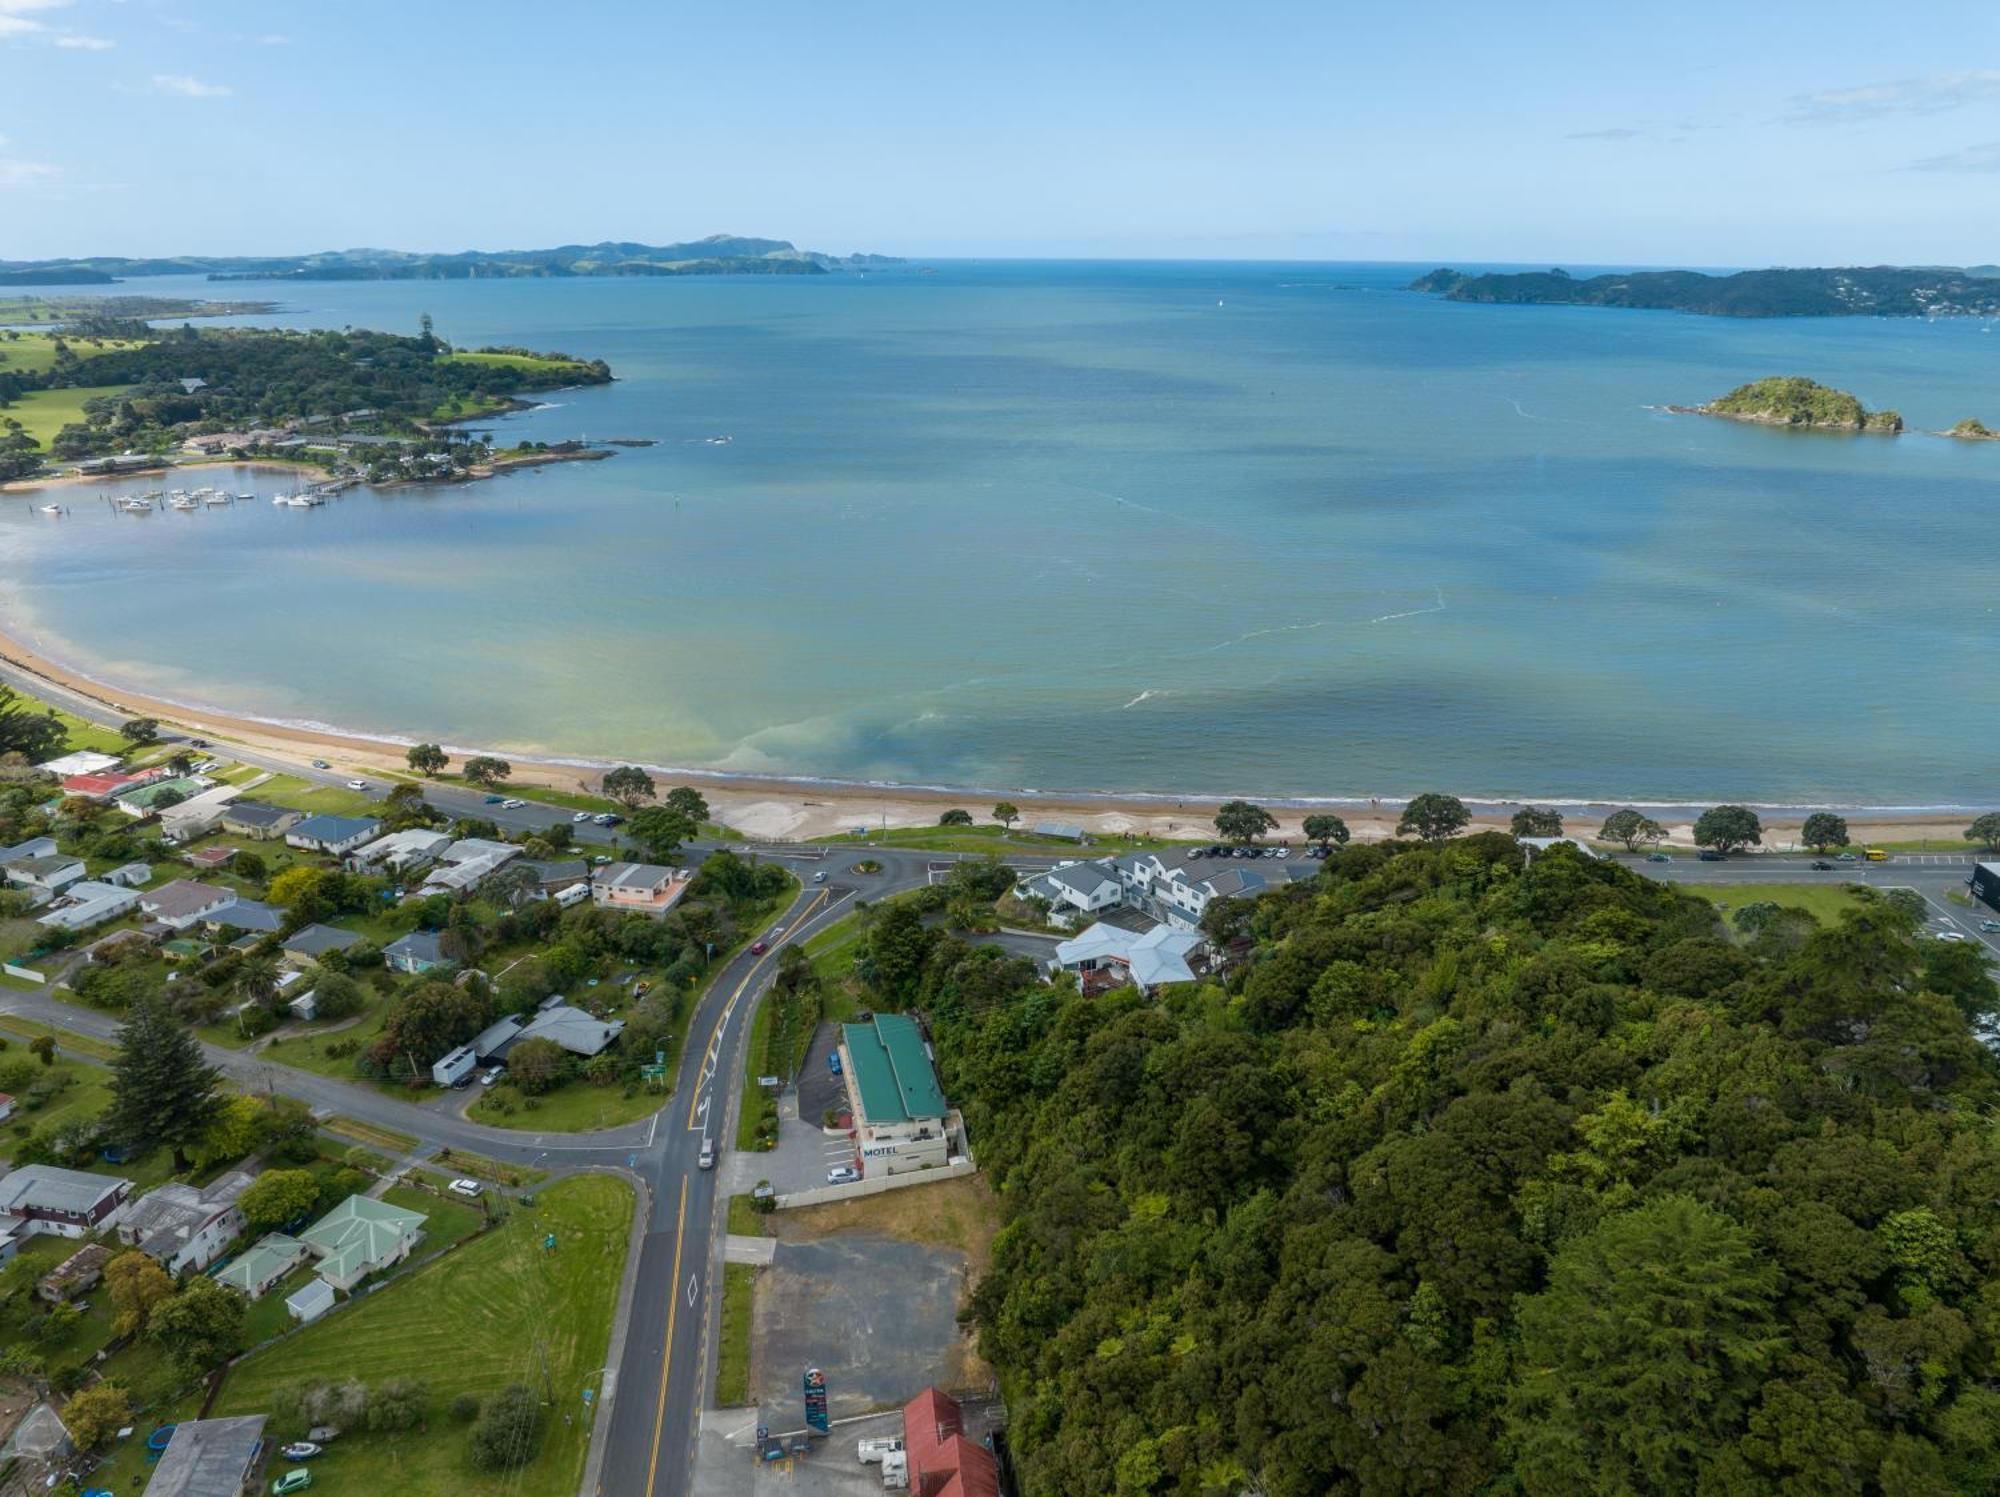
(1146, 959)
(361, 1236)
(66, 1203)
(315, 941)
(419, 951)
(141, 801)
(83, 761)
(572, 1028)
(1075, 889)
(210, 1458)
(184, 903)
(251, 915)
(401, 852)
(130, 875)
(900, 1117)
(79, 1273)
(335, 836)
(198, 815)
(257, 1269)
(45, 874)
(258, 821)
(34, 847)
(552, 877)
(454, 1066)
(89, 903)
(109, 783)
(183, 1228)
(467, 861)
(640, 888)
(942, 1461)
(208, 859)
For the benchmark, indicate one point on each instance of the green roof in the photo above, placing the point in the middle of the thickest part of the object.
(145, 795)
(274, 1253)
(893, 1075)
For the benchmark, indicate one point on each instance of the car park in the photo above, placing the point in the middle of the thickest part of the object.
(842, 1174)
(300, 1450)
(470, 1189)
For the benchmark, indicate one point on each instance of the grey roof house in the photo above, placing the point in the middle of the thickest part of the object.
(209, 1458)
(315, 941)
(47, 1198)
(419, 951)
(253, 818)
(332, 834)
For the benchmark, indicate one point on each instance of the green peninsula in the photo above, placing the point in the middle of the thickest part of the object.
(1851, 291)
(1791, 400)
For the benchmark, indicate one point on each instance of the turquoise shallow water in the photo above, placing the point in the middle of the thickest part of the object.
(1283, 529)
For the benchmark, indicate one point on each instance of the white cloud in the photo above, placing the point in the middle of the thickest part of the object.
(24, 173)
(1932, 95)
(1616, 132)
(189, 87)
(1979, 158)
(84, 43)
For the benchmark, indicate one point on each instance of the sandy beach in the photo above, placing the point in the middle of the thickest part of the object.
(781, 809)
(85, 480)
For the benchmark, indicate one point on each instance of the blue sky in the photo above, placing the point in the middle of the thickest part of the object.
(1697, 133)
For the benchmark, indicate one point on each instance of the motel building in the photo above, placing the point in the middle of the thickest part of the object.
(901, 1122)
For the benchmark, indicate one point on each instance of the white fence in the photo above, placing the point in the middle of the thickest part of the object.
(820, 1195)
(26, 974)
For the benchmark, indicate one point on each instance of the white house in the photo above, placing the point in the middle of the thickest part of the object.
(332, 835)
(400, 852)
(182, 1228)
(83, 761)
(198, 814)
(467, 861)
(46, 873)
(87, 904)
(641, 888)
(1074, 889)
(1146, 959)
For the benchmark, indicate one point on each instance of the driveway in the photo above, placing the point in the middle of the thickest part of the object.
(819, 1088)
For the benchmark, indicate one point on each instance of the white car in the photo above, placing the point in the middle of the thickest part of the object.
(512, 805)
(842, 1174)
(467, 1188)
(488, 1078)
(357, 784)
(207, 766)
(581, 816)
(706, 1160)
(1951, 935)
(870, 1452)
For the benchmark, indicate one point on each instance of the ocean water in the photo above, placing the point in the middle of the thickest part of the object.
(1283, 529)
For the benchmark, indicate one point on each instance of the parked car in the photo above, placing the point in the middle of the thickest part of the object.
(494, 800)
(842, 1174)
(292, 1481)
(301, 1450)
(1714, 857)
(321, 764)
(833, 1061)
(1989, 925)
(608, 818)
(580, 817)
(1952, 935)
(511, 804)
(1281, 852)
(492, 1075)
(1193, 852)
(470, 1189)
(870, 1452)
(357, 784)
(706, 1159)
(207, 765)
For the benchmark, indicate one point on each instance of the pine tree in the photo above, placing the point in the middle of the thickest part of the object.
(162, 1091)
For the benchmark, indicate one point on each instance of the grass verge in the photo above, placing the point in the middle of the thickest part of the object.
(1825, 902)
(371, 1134)
(732, 1361)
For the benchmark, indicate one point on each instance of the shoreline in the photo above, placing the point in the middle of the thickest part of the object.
(80, 480)
(797, 807)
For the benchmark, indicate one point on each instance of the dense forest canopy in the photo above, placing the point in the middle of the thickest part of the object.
(1480, 1176)
(1849, 291)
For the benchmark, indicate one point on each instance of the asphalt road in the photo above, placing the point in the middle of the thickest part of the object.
(656, 1392)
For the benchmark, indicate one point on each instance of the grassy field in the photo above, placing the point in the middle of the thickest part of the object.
(32, 353)
(307, 795)
(575, 1108)
(732, 1357)
(527, 363)
(43, 413)
(16, 1027)
(501, 1310)
(85, 1097)
(1827, 902)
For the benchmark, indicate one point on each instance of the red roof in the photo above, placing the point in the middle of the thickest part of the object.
(943, 1463)
(103, 784)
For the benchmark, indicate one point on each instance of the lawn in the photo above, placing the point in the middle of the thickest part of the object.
(43, 413)
(307, 795)
(33, 353)
(1826, 902)
(85, 1097)
(308, 1052)
(577, 1107)
(521, 361)
(500, 1310)
(732, 1357)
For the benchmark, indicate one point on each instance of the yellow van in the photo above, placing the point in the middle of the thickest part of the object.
(1875, 854)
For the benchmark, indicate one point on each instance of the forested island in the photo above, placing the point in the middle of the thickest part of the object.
(1483, 1175)
(719, 254)
(370, 400)
(1792, 400)
(1855, 291)
(1972, 429)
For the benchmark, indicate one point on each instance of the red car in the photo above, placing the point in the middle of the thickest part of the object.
(758, 948)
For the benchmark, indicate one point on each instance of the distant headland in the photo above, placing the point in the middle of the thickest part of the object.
(1855, 291)
(719, 254)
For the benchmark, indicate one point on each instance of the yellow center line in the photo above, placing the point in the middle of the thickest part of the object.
(667, 1356)
(694, 1097)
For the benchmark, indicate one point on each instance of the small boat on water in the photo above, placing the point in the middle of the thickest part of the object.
(53, 509)
(185, 502)
(136, 506)
(220, 499)
(246, 498)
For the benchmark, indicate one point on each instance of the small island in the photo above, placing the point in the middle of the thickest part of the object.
(1798, 403)
(1972, 429)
